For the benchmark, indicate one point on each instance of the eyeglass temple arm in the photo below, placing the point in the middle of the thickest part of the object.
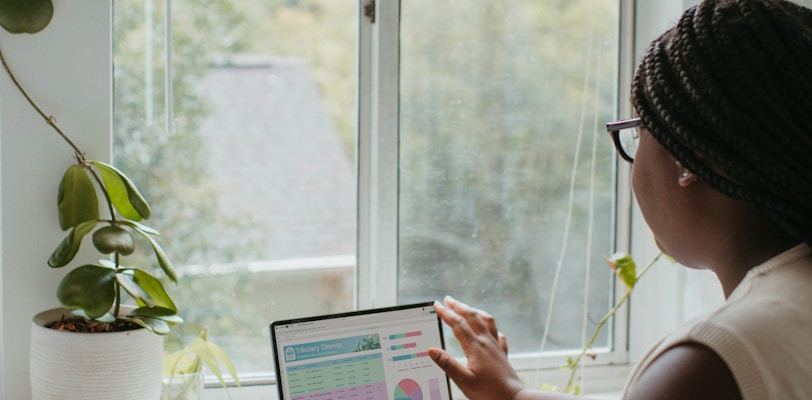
(624, 124)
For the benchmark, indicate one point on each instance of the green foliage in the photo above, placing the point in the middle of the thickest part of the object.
(25, 16)
(94, 291)
(76, 191)
(199, 352)
(122, 192)
(90, 288)
(623, 265)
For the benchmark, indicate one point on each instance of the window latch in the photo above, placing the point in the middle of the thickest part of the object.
(369, 11)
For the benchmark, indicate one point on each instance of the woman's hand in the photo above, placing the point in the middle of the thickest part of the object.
(488, 374)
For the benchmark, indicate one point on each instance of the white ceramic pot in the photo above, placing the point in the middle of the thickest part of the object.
(93, 366)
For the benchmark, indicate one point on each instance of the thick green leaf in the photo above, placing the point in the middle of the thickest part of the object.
(113, 238)
(168, 315)
(163, 260)
(141, 228)
(162, 314)
(139, 294)
(155, 289)
(67, 249)
(153, 325)
(122, 191)
(90, 288)
(25, 16)
(76, 199)
(106, 318)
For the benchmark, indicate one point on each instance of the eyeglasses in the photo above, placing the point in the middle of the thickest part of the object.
(626, 136)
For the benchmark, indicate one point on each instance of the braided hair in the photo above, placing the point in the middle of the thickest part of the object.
(728, 92)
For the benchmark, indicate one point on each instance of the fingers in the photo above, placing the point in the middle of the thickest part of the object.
(479, 320)
(503, 342)
(450, 365)
(468, 322)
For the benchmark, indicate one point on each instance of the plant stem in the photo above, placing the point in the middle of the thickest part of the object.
(80, 157)
(49, 119)
(117, 303)
(574, 364)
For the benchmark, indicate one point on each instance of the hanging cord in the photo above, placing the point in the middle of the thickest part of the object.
(168, 107)
(571, 201)
(591, 220)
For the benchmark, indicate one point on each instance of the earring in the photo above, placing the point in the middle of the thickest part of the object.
(686, 177)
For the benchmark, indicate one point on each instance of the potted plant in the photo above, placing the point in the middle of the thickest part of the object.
(95, 346)
(183, 369)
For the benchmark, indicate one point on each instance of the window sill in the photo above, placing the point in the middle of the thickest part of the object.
(257, 392)
(268, 392)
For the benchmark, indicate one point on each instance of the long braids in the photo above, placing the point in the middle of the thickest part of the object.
(728, 92)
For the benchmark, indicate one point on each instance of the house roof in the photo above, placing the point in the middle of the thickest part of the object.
(278, 158)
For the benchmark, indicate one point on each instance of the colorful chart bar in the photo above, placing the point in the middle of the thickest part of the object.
(434, 389)
(410, 356)
(405, 335)
(403, 346)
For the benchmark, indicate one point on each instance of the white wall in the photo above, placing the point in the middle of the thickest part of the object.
(669, 294)
(67, 70)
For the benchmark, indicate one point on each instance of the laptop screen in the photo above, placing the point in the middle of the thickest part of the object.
(371, 354)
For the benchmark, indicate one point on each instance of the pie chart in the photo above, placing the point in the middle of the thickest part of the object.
(408, 389)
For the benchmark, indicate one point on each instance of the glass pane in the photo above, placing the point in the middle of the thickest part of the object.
(506, 172)
(251, 177)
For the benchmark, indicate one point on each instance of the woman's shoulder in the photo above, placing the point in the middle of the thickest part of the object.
(685, 371)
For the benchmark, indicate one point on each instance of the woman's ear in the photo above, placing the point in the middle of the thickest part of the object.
(686, 177)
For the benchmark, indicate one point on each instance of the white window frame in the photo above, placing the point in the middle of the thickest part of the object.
(67, 69)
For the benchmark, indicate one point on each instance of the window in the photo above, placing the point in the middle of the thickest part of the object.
(251, 171)
(506, 188)
(301, 159)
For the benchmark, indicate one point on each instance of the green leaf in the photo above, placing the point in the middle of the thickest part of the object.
(69, 246)
(76, 199)
(141, 228)
(188, 360)
(113, 238)
(153, 325)
(166, 314)
(179, 362)
(123, 194)
(25, 16)
(624, 266)
(163, 260)
(170, 316)
(90, 288)
(154, 289)
(106, 318)
(139, 294)
(212, 355)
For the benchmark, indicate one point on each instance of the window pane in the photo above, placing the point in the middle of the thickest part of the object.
(251, 178)
(505, 169)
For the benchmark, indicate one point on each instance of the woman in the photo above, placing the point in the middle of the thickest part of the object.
(723, 176)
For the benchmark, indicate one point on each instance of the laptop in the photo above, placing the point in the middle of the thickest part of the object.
(375, 354)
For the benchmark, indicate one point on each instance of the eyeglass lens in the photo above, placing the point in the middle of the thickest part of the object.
(629, 139)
